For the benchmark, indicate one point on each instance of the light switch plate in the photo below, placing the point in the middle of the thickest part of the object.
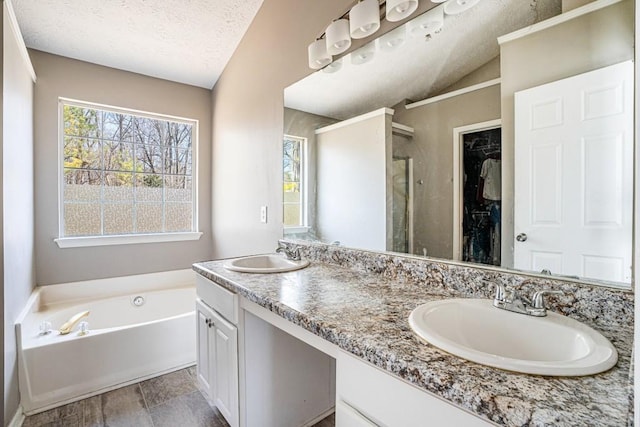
(263, 214)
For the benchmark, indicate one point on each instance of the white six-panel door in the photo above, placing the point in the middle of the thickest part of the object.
(574, 175)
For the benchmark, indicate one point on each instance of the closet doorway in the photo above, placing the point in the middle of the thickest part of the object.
(477, 193)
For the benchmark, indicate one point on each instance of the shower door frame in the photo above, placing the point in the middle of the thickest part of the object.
(409, 209)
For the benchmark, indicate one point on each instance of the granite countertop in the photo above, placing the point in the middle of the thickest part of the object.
(366, 314)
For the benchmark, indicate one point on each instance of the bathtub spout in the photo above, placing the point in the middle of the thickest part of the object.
(69, 324)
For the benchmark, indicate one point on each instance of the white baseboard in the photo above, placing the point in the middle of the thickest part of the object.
(320, 417)
(18, 418)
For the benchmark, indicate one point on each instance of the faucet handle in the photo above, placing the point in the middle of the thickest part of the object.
(537, 302)
(501, 291)
(295, 253)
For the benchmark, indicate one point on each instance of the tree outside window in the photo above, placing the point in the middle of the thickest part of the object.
(125, 173)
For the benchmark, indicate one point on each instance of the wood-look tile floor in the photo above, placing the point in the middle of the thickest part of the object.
(171, 400)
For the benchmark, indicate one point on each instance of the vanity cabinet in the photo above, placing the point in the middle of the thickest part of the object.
(261, 370)
(217, 347)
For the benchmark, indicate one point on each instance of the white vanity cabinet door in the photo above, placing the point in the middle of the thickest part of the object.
(205, 348)
(225, 380)
(217, 360)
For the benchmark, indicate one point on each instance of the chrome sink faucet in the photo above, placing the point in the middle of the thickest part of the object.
(517, 303)
(292, 253)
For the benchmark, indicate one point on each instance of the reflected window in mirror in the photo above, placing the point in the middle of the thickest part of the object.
(294, 160)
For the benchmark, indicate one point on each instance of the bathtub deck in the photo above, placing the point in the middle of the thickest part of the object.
(169, 400)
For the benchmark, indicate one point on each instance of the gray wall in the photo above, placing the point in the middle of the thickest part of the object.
(592, 41)
(432, 151)
(17, 223)
(64, 77)
(248, 117)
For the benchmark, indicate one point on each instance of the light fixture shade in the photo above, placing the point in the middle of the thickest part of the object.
(318, 55)
(363, 55)
(430, 22)
(334, 67)
(364, 19)
(454, 7)
(393, 39)
(397, 10)
(338, 37)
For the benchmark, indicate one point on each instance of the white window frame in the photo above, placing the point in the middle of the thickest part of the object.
(304, 199)
(133, 238)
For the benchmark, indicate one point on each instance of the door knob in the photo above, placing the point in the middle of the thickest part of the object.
(522, 237)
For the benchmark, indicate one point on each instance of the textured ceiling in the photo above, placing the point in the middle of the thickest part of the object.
(418, 68)
(187, 41)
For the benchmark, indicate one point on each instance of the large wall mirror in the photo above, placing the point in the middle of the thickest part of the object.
(501, 136)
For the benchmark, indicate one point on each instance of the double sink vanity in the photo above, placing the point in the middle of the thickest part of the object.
(394, 340)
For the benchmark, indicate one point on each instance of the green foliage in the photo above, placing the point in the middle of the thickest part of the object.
(82, 124)
(154, 181)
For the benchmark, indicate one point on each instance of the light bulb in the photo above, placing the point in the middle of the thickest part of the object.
(454, 7)
(334, 67)
(363, 55)
(397, 10)
(340, 44)
(364, 19)
(393, 39)
(338, 37)
(318, 54)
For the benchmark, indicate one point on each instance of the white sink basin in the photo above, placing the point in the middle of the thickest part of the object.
(475, 330)
(270, 263)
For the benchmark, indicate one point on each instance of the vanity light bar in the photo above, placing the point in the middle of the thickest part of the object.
(360, 21)
(363, 19)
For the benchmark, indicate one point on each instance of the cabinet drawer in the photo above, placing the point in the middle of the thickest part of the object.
(218, 298)
(348, 416)
(382, 399)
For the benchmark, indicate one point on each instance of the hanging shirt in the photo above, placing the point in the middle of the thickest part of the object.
(491, 172)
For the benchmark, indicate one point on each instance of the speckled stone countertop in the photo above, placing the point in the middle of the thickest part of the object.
(365, 313)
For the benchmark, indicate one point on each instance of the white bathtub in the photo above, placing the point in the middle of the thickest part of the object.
(125, 344)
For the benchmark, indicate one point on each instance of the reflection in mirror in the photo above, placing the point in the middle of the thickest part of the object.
(502, 135)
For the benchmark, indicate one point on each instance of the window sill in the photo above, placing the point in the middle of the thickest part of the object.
(296, 230)
(125, 239)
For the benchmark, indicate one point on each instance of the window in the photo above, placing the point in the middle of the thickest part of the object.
(294, 185)
(125, 173)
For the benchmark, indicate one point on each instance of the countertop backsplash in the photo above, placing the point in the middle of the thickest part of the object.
(592, 304)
